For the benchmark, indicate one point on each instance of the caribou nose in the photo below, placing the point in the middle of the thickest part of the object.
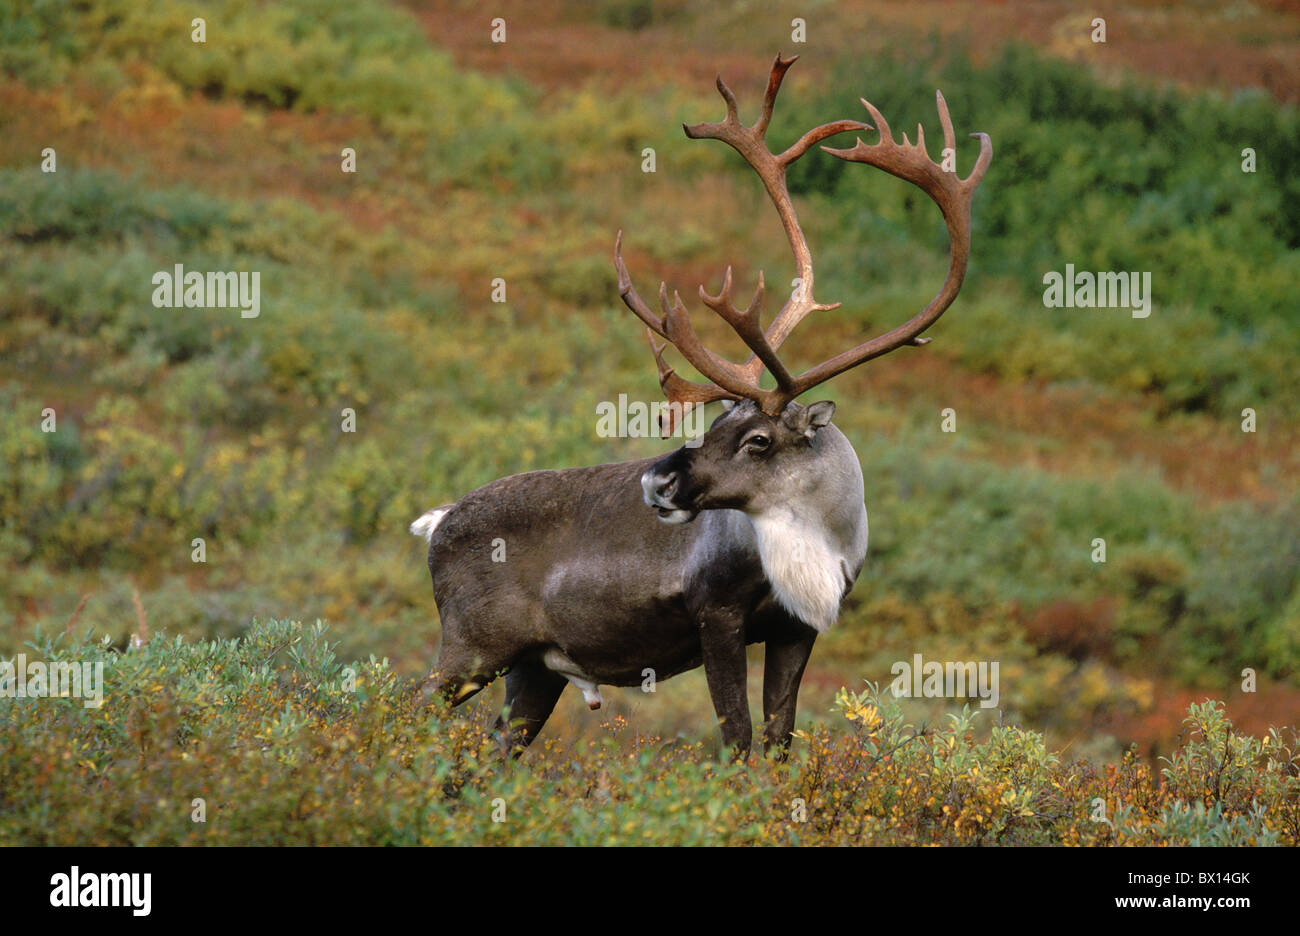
(667, 486)
(659, 489)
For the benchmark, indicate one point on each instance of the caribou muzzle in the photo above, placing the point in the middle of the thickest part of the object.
(661, 488)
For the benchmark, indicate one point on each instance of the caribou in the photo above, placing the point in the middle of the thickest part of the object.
(755, 532)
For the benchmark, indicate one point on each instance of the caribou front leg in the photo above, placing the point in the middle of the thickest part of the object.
(722, 641)
(786, 655)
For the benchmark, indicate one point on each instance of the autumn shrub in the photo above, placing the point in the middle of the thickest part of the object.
(271, 739)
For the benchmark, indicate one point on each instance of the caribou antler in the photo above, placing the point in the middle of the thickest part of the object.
(738, 381)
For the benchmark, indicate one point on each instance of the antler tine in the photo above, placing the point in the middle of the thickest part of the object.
(676, 388)
(733, 114)
(627, 292)
(882, 125)
(774, 79)
(945, 121)
(734, 378)
(681, 394)
(748, 326)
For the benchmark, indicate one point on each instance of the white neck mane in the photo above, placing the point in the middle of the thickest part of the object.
(805, 567)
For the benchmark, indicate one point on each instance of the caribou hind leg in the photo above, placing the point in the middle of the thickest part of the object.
(531, 693)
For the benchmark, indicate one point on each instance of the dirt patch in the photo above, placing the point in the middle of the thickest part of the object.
(1195, 45)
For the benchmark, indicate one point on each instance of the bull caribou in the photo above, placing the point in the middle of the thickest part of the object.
(756, 532)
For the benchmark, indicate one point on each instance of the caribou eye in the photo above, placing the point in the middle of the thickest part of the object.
(758, 442)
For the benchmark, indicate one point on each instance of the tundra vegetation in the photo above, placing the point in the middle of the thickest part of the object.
(375, 296)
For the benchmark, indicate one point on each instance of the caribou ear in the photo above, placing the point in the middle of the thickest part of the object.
(727, 405)
(820, 413)
(806, 420)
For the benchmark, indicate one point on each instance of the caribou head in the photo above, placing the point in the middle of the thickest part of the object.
(765, 450)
